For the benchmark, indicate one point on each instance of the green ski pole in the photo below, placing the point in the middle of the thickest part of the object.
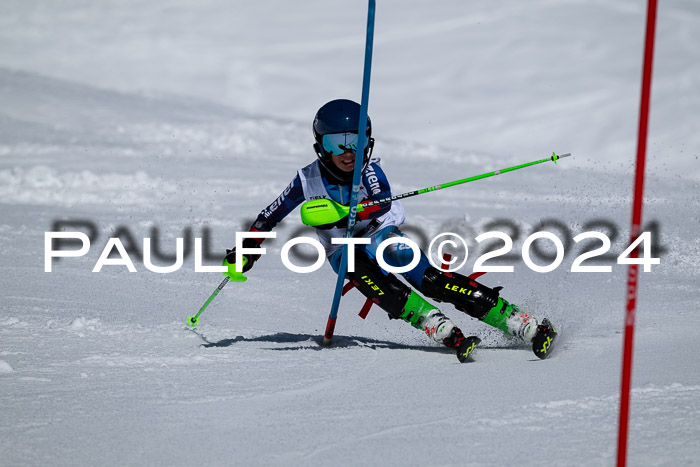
(229, 276)
(193, 320)
(326, 211)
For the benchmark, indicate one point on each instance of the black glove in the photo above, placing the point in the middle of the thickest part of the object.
(247, 243)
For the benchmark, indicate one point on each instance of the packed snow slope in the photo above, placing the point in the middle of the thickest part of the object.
(99, 368)
(107, 122)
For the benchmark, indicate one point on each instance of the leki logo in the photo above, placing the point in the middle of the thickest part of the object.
(374, 287)
(456, 288)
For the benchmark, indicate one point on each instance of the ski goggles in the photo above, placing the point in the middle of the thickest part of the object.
(338, 143)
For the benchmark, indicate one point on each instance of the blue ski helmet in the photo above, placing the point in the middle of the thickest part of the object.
(335, 118)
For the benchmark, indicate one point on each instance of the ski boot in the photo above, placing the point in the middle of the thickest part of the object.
(438, 327)
(508, 318)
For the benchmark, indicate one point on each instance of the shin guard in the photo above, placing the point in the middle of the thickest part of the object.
(386, 290)
(465, 294)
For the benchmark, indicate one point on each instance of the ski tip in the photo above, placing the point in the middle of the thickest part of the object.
(543, 340)
(466, 348)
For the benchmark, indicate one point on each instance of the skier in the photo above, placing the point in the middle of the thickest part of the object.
(335, 129)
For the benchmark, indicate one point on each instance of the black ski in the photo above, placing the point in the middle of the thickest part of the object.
(466, 347)
(544, 339)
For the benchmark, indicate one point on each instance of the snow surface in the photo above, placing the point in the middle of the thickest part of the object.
(187, 116)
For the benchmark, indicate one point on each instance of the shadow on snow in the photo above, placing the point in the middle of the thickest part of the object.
(338, 342)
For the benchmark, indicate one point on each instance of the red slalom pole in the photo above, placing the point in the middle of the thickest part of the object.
(633, 269)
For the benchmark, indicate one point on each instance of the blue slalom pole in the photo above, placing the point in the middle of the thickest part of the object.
(362, 140)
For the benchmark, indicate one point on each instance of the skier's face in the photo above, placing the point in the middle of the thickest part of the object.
(345, 161)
